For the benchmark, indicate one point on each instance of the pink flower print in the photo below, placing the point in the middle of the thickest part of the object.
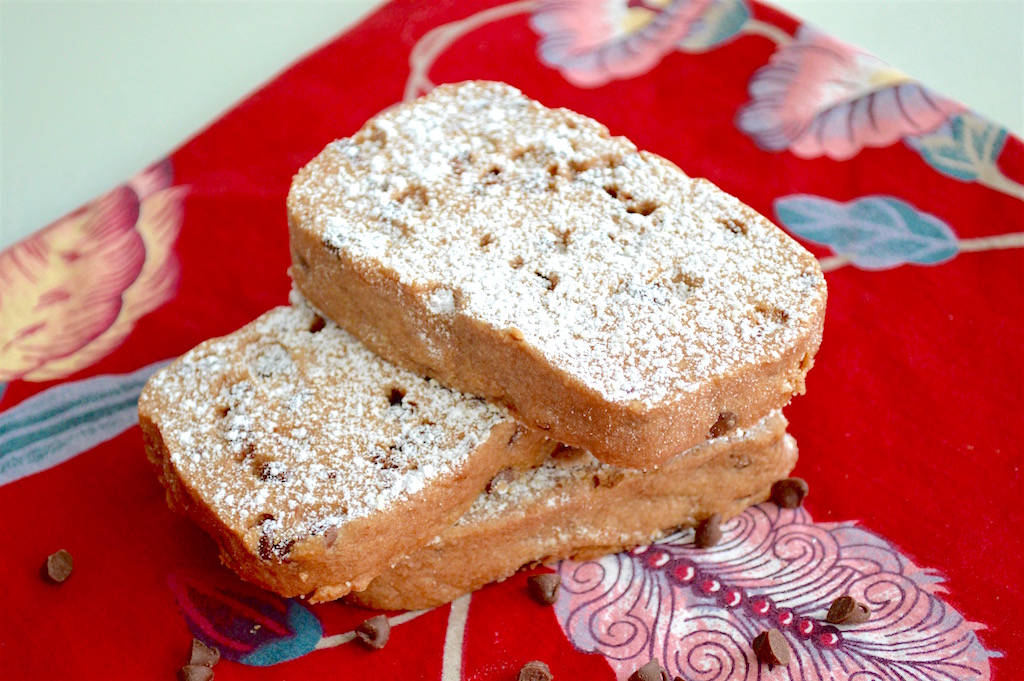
(593, 42)
(697, 610)
(72, 292)
(819, 96)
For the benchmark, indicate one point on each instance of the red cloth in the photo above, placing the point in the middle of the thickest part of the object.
(911, 425)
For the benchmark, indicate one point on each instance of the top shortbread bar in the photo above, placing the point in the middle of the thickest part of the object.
(523, 254)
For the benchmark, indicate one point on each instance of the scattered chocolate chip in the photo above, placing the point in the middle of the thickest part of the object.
(59, 566)
(374, 632)
(652, 671)
(195, 672)
(771, 647)
(845, 610)
(535, 671)
(544, 587)
(709, 532)
(726, 422)
(790, 493)
(203, 655)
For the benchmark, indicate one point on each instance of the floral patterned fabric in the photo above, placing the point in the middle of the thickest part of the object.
(909, 433)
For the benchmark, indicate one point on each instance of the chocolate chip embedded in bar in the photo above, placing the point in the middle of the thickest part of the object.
(374, 632)
(58, 566)
(726, 422)
(846, 610)
(709, 532)
(790, 493)
(535, 671)
(499, 483)
(771, 647)
(544, 587)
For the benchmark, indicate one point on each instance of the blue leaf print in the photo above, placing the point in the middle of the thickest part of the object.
(873, 232)
(965, 148)
(306, 634)
(60, 423)
(722, 21)
(248, 625)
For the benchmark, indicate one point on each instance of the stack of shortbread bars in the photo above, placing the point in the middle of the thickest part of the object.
(512, 339)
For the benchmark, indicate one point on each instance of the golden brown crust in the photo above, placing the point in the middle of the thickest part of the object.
(287, 490)
(654, 305)
(581, 515)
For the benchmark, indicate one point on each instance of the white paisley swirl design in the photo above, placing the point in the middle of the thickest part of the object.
(697, 610)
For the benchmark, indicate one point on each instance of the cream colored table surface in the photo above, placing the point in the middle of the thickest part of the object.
(90, 91)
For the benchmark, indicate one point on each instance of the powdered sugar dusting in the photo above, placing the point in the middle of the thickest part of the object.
(631, 277)
(291, 426)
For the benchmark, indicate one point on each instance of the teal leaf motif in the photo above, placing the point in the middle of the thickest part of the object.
(248, 625)
(873, 232)
(722, 22)
(307, 633)
(964, 149)
(62, 422)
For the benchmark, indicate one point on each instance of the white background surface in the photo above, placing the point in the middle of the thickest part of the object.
(91, 91)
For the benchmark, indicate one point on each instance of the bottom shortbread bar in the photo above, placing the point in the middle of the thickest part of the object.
(574, 506)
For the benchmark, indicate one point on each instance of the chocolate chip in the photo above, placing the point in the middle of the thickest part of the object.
(771, 647)
(845, 610)
(374, 632)
(266, 547)
(790, 493)
(726, 422)
(203, 655)
(733, 225)
(195, 672)
(58, 566)
(273, 471)
(535, 671)
(499, 483)
(318, 324)
(708, 533)
(246, 454)
(544, 587)
(652, 671)
(331, 536)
